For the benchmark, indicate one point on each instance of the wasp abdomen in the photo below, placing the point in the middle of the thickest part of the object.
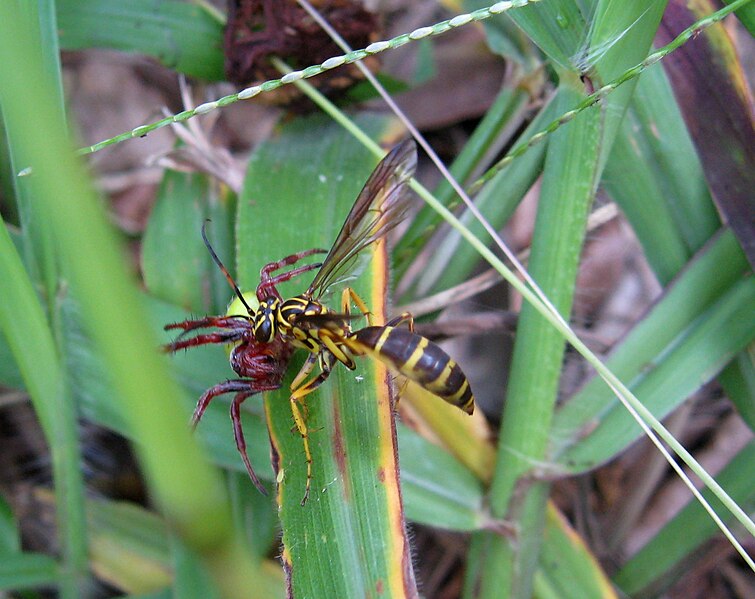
(418, 359)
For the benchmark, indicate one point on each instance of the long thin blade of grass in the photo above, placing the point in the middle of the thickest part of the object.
(183, 485)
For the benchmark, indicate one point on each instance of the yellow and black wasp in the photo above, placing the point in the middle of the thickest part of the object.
(266, 336)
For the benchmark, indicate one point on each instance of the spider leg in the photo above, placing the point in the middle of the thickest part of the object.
(267, 285)
(243, 390)
(230, 386)
(221, 322)
(236, 327)
(238, 435)
(223, 337)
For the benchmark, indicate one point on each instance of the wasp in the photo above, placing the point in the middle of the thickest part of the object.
(268, 334)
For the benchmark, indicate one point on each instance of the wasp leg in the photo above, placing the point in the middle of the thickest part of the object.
(301, 426)
(400, 390)
(404, 318)
(300, 419)
(298, 407)
(309, 364)
(338, 350)
(349, 295)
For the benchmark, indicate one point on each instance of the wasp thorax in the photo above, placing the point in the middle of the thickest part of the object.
(264, 321)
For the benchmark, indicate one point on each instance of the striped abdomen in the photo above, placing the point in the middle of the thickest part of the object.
(419, 360)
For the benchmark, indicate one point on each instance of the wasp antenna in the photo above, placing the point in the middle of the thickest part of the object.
(222, 267)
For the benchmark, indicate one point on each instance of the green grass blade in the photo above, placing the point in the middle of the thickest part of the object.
(567, 568)
(183, 486)
(10, 376)
(558, 27)
(255, 515)
(704, 348)
(10, 540)
(28, 570)
(738, 379)
(620, 37)
(708, 279)
(505, 38)
(574, 160)
(175, 263)
(565, 198)
(19, 570)
(130, 547)
(52, 401)
(453, 500)
(671, 552)
(134, 550)
(183, 36)
(190, 578)
(177, 266)
(348, 540)
(38, 252)
(664, 197)
(25, 328)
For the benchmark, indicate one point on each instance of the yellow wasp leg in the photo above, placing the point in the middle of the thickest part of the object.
(296, 403)
(404, 318)
(335, 347)
(304, 372)
(300, 417)
(348, 296)
(301, 426)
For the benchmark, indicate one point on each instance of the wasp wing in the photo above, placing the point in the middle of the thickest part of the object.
(380, 206)
(330, 320)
